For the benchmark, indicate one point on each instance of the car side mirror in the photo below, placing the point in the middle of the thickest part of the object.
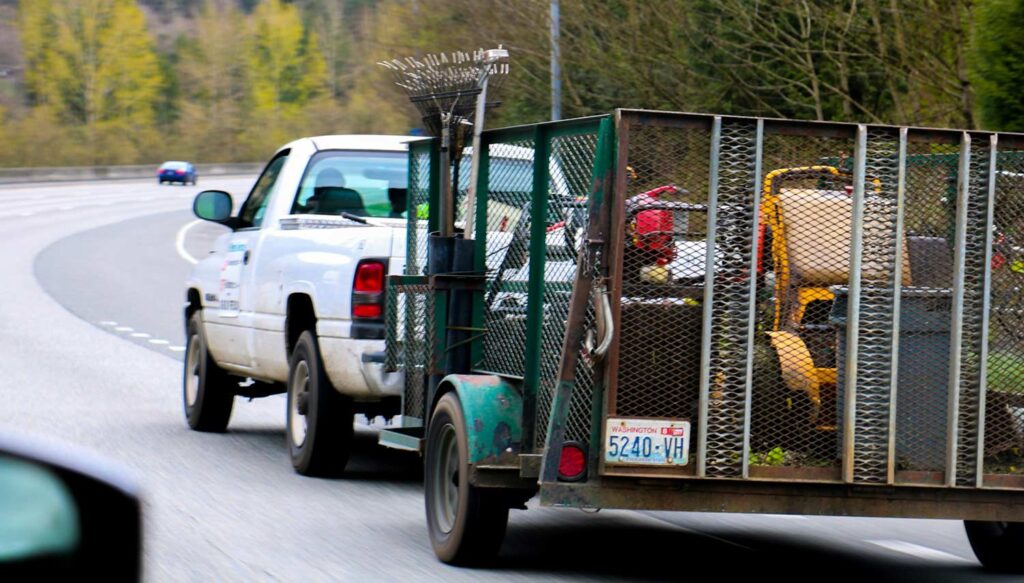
(65, 515)
(213, 205)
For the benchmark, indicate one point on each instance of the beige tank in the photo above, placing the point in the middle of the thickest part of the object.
(818, 224)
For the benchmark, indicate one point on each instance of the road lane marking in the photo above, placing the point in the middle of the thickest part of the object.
(124, 329)
(919, 551)
(176, 348)
(108, 323)
(140, 335)
(179, 242)
(158, 341)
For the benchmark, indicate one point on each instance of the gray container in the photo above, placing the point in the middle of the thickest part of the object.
(922, 377)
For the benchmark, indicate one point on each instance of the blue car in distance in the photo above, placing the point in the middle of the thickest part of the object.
(174, 171)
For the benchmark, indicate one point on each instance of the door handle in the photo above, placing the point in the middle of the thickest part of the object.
(245, 257)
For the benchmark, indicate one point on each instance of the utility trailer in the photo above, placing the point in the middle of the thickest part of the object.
(673, 311)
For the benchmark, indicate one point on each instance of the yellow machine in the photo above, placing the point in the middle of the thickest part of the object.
(805, 227)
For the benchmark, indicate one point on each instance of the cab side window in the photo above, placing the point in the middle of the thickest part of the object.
(256, 205)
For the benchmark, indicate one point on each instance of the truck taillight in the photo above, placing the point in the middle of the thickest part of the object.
(370, 277)
(368, 291)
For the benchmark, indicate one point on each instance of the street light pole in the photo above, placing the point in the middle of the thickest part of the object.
(556, 64)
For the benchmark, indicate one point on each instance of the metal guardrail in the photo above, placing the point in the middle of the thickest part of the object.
(81, 173)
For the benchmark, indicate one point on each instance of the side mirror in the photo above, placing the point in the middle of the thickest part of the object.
(66, 514)
(213, 205)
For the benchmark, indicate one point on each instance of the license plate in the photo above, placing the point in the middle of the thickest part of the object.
(646, 442)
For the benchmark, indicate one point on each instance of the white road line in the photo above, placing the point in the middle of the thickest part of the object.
(140, 335)
(158, 341)
(124, 329)
(108, 323)
(179, 242)
(919, 551)
(176, 348)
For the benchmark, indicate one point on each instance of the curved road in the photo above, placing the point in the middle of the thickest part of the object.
(90, 349)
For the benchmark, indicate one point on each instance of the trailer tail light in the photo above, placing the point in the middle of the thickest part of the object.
(368, 291)
(572, 466)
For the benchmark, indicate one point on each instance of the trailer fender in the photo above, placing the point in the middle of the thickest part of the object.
(493, 410)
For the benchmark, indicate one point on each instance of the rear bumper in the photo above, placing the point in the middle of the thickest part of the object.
(762, 497)
(363, 381)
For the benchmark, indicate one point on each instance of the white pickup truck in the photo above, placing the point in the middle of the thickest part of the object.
(292, 297)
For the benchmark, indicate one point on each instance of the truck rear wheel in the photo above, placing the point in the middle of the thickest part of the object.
(998, 545)
(208, 391)
(466, 523)
(319, 418)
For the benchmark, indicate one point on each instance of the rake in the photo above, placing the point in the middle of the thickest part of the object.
(450, 92)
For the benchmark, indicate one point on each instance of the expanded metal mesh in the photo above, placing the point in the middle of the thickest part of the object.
(926, 310)
(510, 188)
(569, 186)
(1004, 397)
(877, 306)
(901, 418)
(805, 225)
(738, 184)
(778, 349)
(665, 219)
(974, 251)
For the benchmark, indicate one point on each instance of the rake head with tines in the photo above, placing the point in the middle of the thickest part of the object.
(444, 86)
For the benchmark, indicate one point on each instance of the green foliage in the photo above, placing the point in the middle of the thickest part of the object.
(997, 60)
(774, 457)
(92, 63)
(234, 79)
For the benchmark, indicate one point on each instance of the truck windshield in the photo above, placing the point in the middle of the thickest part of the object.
(364, 184)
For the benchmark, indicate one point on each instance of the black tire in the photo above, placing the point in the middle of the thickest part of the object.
(998, 545)
(320, 420)
(466, 523)
(207, 390)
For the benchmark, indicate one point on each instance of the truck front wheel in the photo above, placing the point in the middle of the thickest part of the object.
(319, 418)
(208, 390)
(466, 523)
(998, 545)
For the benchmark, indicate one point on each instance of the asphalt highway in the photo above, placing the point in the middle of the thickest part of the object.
(91, 341)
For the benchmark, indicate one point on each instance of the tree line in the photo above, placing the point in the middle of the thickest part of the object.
(103, 85)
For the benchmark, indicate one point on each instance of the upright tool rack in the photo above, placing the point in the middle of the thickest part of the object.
(802, 317)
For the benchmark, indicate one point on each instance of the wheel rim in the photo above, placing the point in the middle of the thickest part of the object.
(192, 371)
(446, 479)
(297, 421)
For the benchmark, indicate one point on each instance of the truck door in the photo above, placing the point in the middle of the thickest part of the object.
(236, 289)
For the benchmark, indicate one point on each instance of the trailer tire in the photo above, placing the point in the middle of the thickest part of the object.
(207, 391)
(319, 420)
(998, 545)
(466, 523)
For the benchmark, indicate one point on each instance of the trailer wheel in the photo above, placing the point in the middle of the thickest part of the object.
(319, 418)
(207, 389)
(998, 545)
(466, 523)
